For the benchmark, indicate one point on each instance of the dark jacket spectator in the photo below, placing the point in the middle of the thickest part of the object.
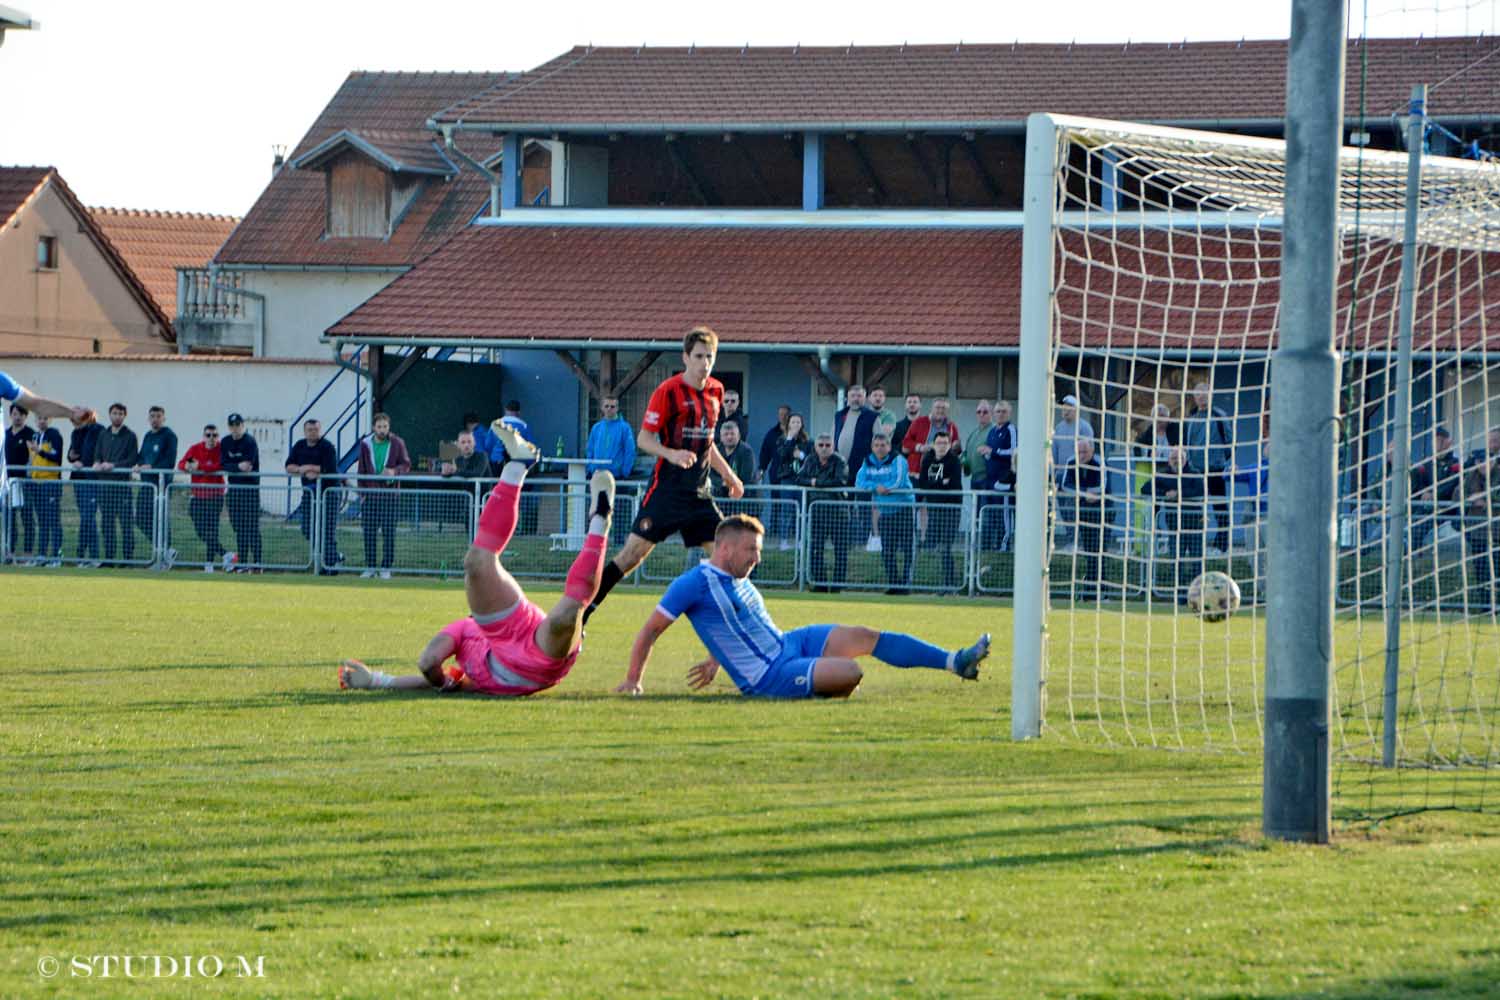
(792, 449)
(158, 453)
(118, 448)
(825, 472)
(82, 444)
(1083, 475)
(740, 458)
(731, 411)
(999, 464)
(18, 448)
(1174, 486)
(944, 473)
(236, 450)
(321, 455)
(1437, 479)
(1157, 439)
(773, 436)
(859, 441)
(475, 466)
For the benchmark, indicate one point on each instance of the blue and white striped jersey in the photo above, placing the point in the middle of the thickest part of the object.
(731, 619)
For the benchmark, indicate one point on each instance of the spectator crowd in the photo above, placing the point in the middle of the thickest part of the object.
(910, 467)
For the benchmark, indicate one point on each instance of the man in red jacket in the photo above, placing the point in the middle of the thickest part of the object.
(921, 432)
(382, 455)
(206, 500)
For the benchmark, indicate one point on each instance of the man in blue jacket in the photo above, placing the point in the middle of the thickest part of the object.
(611, 441)
(1207, 442)
(885, 474)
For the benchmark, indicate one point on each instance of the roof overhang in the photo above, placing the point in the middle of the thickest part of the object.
(587, 344)
(12, 19)
(345, 140)
(992, 126)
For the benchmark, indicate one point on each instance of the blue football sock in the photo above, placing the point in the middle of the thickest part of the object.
(902, 650)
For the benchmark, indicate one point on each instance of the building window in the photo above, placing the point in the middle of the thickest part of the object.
(929, 376)
(887, 372)
(46, 253)
(978, 378)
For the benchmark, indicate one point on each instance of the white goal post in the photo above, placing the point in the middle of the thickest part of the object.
(1151, 294)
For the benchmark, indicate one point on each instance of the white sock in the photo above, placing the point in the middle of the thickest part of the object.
(381, 679)
(952, 660)
(598, 525)
(513, 472)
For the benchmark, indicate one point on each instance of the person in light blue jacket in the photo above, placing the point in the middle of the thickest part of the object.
(611, 441)
(885, 475)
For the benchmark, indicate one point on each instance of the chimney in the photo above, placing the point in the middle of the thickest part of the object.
(278, 157)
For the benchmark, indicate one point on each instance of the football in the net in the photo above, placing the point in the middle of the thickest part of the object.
(1214, 596)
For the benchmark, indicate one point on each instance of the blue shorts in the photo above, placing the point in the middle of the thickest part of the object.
(9, 387)
(791, 676)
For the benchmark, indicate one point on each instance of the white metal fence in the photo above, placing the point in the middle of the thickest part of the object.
(422, 525)
(833, 540)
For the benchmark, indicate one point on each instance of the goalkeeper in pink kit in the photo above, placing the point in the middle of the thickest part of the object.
(507, 646)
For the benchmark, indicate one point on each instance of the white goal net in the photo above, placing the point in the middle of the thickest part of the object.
(1150, 337)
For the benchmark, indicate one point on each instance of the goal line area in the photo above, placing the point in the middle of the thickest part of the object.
(1150, 314)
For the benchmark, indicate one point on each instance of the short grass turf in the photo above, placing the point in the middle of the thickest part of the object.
(182, 778)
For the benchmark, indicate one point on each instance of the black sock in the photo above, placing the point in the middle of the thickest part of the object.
(607, 581)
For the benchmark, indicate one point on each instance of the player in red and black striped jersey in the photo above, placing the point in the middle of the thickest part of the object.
(679, 430)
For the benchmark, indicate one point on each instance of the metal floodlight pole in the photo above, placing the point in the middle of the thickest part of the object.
(1304, 404)
(1033, 412)
(1396, 484)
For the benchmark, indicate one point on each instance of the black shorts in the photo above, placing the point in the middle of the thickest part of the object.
(667, 511)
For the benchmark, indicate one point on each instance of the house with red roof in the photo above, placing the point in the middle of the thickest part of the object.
(65, 288)
(91, 281)
(838, 214)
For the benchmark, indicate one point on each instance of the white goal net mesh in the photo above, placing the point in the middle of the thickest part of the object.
(1164, 313)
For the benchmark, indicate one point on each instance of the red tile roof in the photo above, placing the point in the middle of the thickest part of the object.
(17, 184)
(766, 286)
(155, 244)
(892, 288)
(1223, 293)
(645, 88)
(285, 226)
(396, 150)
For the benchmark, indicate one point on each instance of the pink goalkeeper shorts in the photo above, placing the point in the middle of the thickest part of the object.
(515, 665)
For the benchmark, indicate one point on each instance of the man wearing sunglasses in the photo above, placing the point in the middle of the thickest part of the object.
(204, 463)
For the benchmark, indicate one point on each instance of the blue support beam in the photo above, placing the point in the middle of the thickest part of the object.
(510, 171)
(812, 171)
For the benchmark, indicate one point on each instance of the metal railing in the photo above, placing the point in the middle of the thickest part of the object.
(212, 296)
(834, 540)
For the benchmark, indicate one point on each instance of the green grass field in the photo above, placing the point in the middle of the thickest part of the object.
(182, 777)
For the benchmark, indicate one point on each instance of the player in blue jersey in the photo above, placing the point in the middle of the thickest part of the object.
(14, 392)
(730, 617)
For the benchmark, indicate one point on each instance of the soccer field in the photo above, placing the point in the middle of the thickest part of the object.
(183, 778)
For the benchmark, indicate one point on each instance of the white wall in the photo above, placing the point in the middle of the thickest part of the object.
(194, 390)
(301, 305)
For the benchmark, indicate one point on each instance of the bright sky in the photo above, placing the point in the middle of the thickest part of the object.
(176, 104)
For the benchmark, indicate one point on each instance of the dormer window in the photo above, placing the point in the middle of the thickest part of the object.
(371, 180)
(359, 198)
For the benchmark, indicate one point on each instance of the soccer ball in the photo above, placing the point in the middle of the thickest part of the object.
(1214, 596)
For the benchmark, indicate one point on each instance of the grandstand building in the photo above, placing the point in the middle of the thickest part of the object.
(838, 214)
